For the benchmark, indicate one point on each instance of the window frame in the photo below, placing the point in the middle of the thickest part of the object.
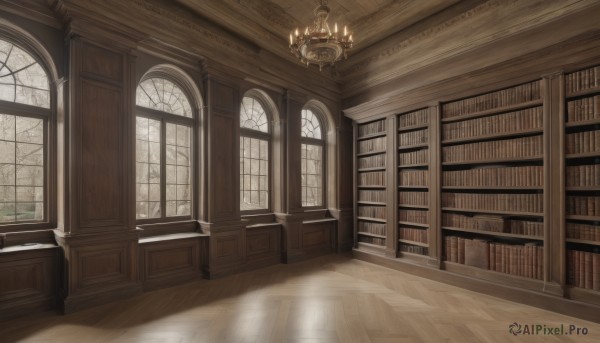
(317, 142)
(47, 115)
(169, 118)
(268, 136)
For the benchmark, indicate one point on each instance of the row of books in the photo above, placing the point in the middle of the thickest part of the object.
(529, 176)
(582, 142)
(583, 109)
(520, 260)
(371, 212)
(413, 249)
(586, 232)
(583, 79)
(533, 203)
(370, 227)
(415, 235)
(583, 205)
(583, 269)
(372, 195)
(527, 119)
(413, 178)
(414, 118)
(506, 97)
(413, 198)
(499, 149)
(414, 157)
(373, 161)
(371, 145)
(413, 216)
(371, 128)
(583, 175)
(413, 137)
(376, 178)
(371, 240)
(491, 223)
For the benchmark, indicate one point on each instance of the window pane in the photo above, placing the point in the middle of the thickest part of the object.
(163, 95)
(147, 168)
(312, 175)
(254, 176)
(21, 168)
(22, 79)
(311, 127)
(253, 116)
(179, 170)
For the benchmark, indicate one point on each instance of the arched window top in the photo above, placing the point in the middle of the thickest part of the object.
(22, 78)
(311, 125)
(163, 95)
(253, 115)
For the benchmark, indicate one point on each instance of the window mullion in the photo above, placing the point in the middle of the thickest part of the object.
(163, 168)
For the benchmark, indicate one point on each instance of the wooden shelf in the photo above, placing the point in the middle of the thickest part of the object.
(362, 170)
(583, 188)
(535, 158)
(492, 136)
(582, 123)
(404, 166)
(583, 294)
(494, 276)
(371, 203)
(414, 146)
(512, 213)
(494, 188)
(373, 248)
(582, 241)
(413, 127)
(370, 136)
(370, 234)
(491, 233)
(370, 187)
(588, 91)
(374, 152)
(372, 219)
(426, 226)
(413, 206)
(498, 110)
(413, 187)
(584, 154)
(404, 241)
(580, 217)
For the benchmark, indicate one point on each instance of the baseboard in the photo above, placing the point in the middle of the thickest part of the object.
(83, 301)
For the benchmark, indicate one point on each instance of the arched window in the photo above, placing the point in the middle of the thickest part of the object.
(255, 149)
(164, 129)
(311, 155)
(24, 115)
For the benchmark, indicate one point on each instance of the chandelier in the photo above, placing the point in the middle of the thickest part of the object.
(318, 45)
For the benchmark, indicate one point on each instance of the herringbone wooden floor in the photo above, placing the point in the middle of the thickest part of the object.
(329, 299)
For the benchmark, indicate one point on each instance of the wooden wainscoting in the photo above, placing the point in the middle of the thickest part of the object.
(28, 279)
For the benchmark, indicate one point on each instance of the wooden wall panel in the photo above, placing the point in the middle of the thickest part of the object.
(102, 264)
(102, 62)
(225, 169)
(263, 246)
(169, 262)
(101, 168)
(317, 235)
(294, 108)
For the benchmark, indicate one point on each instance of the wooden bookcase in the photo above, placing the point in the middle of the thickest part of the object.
(371, 191)
(582, 182)
(492, 194)
(502, 187)
(413, 180)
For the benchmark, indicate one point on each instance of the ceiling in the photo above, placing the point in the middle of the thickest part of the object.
(267, 23)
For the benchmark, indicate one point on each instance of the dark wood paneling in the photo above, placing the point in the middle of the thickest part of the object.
(317, 235)
(101, 149)
(101, 264)
(169, 262)
(224, 98)
(224, 168)
(28, 281)
(101, 62)
(261, 241)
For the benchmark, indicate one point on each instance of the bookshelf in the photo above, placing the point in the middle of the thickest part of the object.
(492, 184)
(582, 182)
(370, 180)
(413, 198)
